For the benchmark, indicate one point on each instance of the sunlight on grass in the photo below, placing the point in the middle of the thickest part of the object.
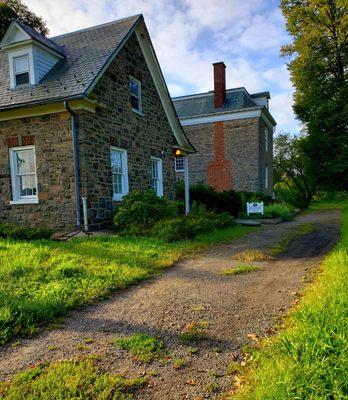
(144, 347)
(309, 359)
(69, 380)
(252, 255)
(239, 269)
(43, 280)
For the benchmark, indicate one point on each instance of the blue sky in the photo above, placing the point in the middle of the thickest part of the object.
(189, 35)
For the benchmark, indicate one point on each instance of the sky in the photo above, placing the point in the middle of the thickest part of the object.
(190, 35)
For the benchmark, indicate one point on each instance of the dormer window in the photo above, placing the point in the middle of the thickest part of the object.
(21, 69)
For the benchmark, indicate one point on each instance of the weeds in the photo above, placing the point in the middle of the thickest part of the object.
(240, 269)
(144, 347)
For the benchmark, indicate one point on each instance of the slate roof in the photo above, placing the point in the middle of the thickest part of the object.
(86, 51)
(203, 104)
(41, 38)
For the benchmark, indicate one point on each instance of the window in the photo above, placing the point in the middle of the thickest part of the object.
(266, 177)
(23, 175)
(21, 69)
(179, 163)
(266, 139)
(156, 175)
(119, 172)
(135, 88)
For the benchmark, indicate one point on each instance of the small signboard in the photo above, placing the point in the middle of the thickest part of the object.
(255, 208)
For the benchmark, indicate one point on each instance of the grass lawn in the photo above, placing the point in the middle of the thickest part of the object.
(309, 358)
(43, 280)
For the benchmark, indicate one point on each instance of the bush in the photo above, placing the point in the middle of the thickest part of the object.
(219, 202)
(139, 211)
(187, 227)
(331, 196)
(252, 197)
(24, 232)
(283, 211)
(290, 196)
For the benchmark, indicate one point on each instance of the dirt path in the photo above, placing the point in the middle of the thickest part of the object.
(193, 290)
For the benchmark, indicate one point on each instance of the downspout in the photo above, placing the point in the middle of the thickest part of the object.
(76, 163)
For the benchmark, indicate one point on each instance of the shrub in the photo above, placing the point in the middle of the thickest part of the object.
(187, 227)
(219, 202)
(252, 197)
(331, 196)
(283, 211)
(24, 232)
(139, 211)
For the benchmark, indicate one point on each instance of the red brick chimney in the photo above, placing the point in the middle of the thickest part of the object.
(219, 84)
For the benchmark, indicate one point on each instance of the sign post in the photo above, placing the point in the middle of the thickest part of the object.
(255, 208)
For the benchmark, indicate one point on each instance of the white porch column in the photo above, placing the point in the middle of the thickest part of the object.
(187, 185)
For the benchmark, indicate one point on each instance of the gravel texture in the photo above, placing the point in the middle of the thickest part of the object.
(193, 290)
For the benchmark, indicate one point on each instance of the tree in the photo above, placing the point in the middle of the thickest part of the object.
(291, 165)
(10, 9)
(318, 67)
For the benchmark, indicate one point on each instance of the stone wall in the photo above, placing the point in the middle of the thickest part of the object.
(235, 145)
(142, 135)
(51, 136)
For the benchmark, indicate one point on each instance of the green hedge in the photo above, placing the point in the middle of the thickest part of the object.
(24, 232)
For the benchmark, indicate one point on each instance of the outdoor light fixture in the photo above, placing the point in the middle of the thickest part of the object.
(178, 152)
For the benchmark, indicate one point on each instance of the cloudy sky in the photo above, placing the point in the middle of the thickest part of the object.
(189, 35)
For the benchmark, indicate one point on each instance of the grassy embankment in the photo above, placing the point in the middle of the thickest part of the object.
(309, 357)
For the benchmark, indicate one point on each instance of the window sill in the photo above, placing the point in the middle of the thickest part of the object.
(118, 197)
(138, 112)
(24, 201)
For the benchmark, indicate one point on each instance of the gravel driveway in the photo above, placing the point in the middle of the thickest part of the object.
(193, 290)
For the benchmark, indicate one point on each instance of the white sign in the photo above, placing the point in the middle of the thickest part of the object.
(255, 208)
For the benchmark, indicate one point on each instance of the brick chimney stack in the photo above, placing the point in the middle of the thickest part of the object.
(219, 84)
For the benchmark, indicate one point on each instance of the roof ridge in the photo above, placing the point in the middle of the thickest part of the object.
(210, 93)
(96, 26)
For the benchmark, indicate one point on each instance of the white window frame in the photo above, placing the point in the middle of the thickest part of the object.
(266, 139)
(124, 177)
(178, 169)
(266, 177)
(16, 197)
(159, 162)
(15, 54)
(140, 109)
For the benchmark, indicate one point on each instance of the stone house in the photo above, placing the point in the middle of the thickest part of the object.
(232, 132)
(85, 117)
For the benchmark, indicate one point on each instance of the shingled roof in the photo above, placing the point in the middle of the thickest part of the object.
(86, 52)
(203, 104)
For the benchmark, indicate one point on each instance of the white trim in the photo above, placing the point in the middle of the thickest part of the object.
(27, 51)
(16, 197)
(24, 201)
(219, 117)
(157, 76)
(266, 177)
(175, 165)
(125, 179)
(160, 175)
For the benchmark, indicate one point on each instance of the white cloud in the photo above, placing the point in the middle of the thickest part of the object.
(189, 35)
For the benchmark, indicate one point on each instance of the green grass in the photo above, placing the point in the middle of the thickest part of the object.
(144, 347)
(240, 269)
(69, 380)
(42, 280)
(194, 332)
(309, 358)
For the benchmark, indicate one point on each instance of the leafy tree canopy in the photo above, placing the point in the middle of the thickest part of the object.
(291, 169)
(10, 9)
(319, 67)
